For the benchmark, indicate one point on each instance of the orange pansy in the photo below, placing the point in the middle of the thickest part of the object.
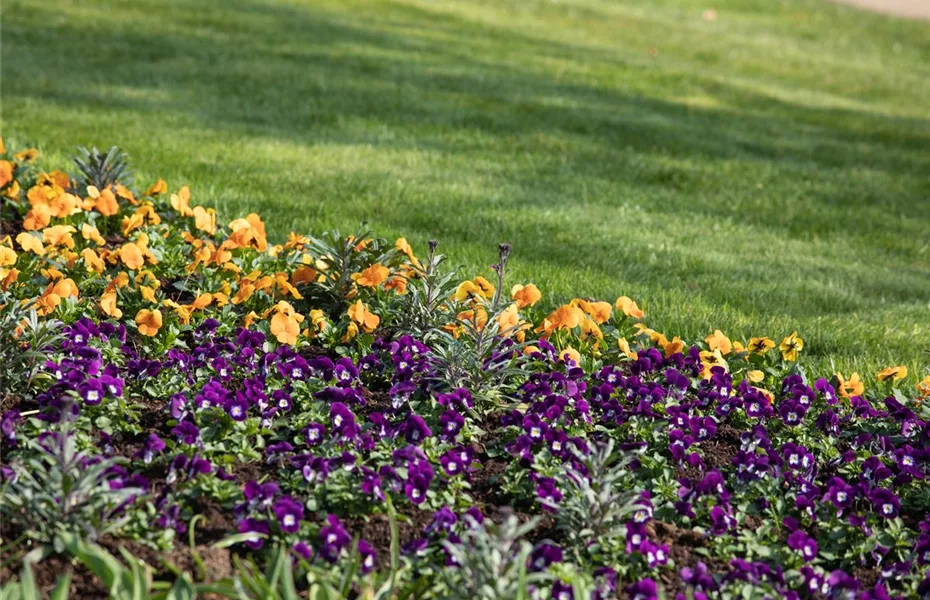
(373, 276)
(359, 313)
(148, 321)
(629, 307)
(131, 255)
(30, 243)
(525, 295)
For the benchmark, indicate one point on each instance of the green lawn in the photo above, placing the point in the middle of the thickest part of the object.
(762, 172)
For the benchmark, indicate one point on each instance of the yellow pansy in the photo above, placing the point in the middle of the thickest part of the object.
(791, 346)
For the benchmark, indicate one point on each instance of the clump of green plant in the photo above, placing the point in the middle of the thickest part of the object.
(597, 500)
(427, 305)
(339, 258)
(102, 169)
(482, 351)
(24, 340)
(491, 563)
(57, 490)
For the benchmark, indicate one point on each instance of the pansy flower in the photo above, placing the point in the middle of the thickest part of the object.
(803, 543)
(544, 555)
(289, 514)
(333, 539)
(257, 531)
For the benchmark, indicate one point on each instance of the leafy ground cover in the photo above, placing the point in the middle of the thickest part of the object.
(191, 408)
(756, 167)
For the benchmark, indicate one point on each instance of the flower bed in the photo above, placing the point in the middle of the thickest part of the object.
(335, 416)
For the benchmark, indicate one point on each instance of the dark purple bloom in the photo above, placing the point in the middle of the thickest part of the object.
(416, 429)
(443, 520)
(289, 513)
(805, 544)
(237, 407)
(186, 432)
(544, 555)
(367, 554)
(314, 433)
(450, 424)
(333, 539)
(171, 519)
(257, 529)
(885, 503)
(153, 445)
(562, 591)
(303, 550)
(92, 391)
(644, 589)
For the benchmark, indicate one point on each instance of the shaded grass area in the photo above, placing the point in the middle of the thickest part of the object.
(762, 172)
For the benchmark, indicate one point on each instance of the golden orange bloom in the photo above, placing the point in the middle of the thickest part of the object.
(7, 279)
(205, 219)
(285, 325)
(373, 276)
(791, 346)
(479, 287)
(404, 246)
(108, 304)
(159, 187)
(37, 218)
(351, 332)
(851, 387)
(760, 345)
(478, 317)
(105, 201)
(148, 294)
(6, 172)
(28, 155)
(710, 360)
(202, 301)
(7, 256)
(11, 191)
(508, 319)
(397, 284)
(318, 318)
(525, 295)
(30, 243)
(93, 262)
(718, 341)
(248, 232)
(894, 373)
(624, 346)
(250, 319)
(182, 310)
(59, 235)
(629, 307)
(123, 192)
(564, 317)
(923, 387)
(673, 347)
(148, 321)
(90, 233)
(598, 311)
(131, 255)
(359, 313)
(54, 293)
(245, 291)
(181, 202)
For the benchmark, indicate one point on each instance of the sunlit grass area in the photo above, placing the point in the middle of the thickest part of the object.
(761, 168)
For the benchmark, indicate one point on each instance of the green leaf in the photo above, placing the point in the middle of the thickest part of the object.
(62, 587)
(237, 538)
